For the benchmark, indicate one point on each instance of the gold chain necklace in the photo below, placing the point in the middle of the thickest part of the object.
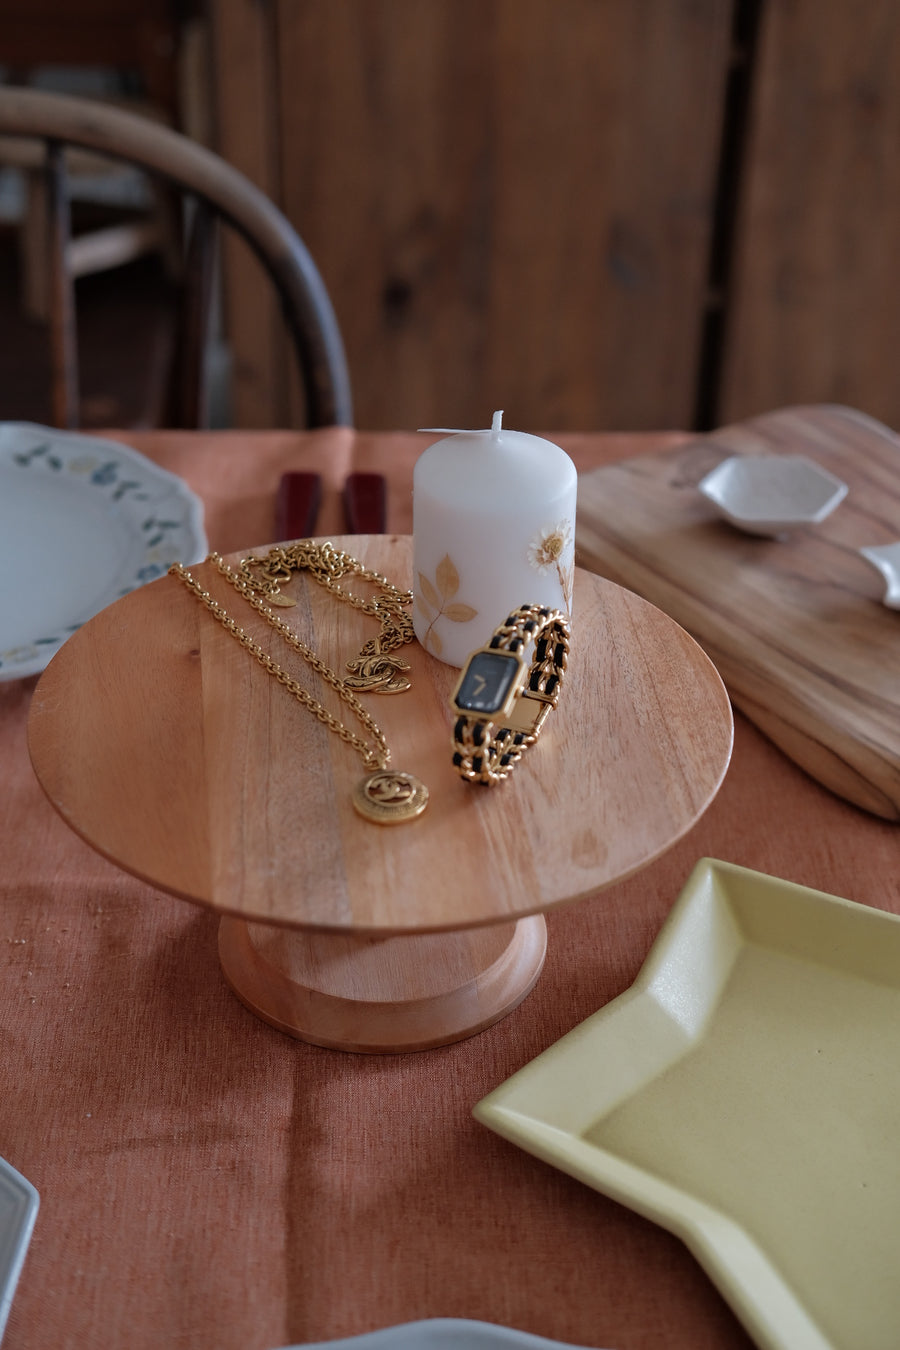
(375, 669)
(387, 796)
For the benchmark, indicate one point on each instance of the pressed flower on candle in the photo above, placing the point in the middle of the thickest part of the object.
(493, 528)
(551, 551)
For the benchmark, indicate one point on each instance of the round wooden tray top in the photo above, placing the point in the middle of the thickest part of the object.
(168, 748)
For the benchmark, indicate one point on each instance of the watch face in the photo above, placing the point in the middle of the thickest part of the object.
(487, 681)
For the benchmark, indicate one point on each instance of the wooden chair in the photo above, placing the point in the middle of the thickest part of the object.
(218, 192)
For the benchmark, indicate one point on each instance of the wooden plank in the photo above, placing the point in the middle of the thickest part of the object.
(510, 202)
(813, 313)
(611, 113)
(247, 133)
(795, 626)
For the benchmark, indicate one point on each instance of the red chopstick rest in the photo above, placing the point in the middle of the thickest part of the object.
(297, 505)
(365, 503)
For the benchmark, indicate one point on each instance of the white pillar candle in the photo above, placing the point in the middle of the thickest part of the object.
(493, 528)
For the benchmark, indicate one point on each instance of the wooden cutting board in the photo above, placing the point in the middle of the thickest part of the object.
(796, 625)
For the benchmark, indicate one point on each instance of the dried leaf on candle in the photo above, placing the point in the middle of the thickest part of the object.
(460, 613)
(447, 577)
(435, 605)
(428, 593)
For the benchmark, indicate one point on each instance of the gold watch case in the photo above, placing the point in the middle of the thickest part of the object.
(489, 685)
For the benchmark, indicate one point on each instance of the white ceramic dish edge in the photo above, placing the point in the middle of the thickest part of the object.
(441, 1333)
(886, 560)
(19, 1202)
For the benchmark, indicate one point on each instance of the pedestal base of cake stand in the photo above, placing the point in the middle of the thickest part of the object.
(382, 995)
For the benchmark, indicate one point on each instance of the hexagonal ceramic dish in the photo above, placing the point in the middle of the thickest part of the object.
(886, 557)
(770, 494)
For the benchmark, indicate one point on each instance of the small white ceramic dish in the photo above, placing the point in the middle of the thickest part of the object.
(744, 1094)
(770, 494)
(18, 1210)
(441, 1333)
(82, 522)
(886, 558)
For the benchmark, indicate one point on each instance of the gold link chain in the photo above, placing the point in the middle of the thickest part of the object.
(373, 669)
(374, 757)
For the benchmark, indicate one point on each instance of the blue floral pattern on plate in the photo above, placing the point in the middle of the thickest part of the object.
(155, 518)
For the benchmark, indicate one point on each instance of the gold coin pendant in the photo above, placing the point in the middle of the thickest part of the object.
(390, 797)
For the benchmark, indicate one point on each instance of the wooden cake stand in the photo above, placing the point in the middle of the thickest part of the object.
(171, 751)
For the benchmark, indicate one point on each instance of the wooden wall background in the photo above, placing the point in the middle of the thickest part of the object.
(596, 214)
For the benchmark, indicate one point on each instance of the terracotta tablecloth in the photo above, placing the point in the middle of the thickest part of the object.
(209, 1182)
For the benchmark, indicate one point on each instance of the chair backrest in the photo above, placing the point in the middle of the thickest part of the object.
(220, 192)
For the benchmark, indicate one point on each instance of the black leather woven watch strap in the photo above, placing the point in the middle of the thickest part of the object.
(487, 751)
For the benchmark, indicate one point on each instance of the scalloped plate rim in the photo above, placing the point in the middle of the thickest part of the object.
(123, 480)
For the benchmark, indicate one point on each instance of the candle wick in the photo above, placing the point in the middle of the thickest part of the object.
(497, 422)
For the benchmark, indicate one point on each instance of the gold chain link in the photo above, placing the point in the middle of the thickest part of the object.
(327, 565)
(374, 669)
(377, 757)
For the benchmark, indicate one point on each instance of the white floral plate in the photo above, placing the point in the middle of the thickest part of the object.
(82, 522)
(18, 1211)
(442, 1333)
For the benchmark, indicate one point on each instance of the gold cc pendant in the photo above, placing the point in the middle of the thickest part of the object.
(390, 797)
(378, 674)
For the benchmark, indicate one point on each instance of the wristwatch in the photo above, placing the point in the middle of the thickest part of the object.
(501, 701)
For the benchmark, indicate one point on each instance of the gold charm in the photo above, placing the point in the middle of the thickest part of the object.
(390, 797)
(378, 674)
(282, 601)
